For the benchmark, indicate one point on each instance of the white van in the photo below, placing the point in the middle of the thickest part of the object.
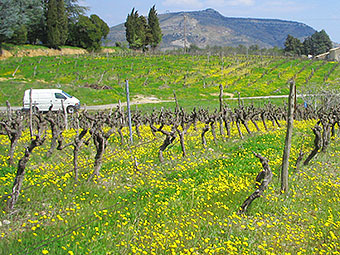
(42, 99)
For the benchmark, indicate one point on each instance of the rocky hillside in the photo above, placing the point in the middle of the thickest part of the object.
(209, 27)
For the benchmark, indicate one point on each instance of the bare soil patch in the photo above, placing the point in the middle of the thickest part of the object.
(47, 52)
(141, 99)
(231, 95)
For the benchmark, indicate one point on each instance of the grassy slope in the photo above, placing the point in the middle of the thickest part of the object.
(186, 205)
(194, 78)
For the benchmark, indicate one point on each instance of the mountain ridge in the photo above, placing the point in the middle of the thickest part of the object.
(209, 27)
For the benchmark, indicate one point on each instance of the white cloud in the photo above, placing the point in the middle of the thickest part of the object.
(234, 3)
(241, 2)
(184, 3)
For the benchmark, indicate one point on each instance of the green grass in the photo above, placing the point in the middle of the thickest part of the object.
(195, 79)
(186, 205)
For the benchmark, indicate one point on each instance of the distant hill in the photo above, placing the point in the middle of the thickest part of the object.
(209, 27)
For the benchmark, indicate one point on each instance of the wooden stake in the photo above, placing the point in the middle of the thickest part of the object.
(288, 140)
(128, 109)
(31, 116)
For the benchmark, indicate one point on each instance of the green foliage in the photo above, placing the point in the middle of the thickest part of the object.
(19, 36)
(317, 44)
(57, 26)
(195, 79)
(314, 45)
(11, 18)
(37, 26)
(88, 32)
(293, 45)
(53, 36)
(135, 30)
(45, 21)
(14, 14)
(186, 205)
(102, 28)
(193, 48)
(62, 23)
(74, 10)
(154, 28)
(141, 32)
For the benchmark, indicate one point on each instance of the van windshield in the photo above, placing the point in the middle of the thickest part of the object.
(67, 95)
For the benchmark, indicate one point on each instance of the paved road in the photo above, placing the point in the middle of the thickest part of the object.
(102, 107)
(109, 106)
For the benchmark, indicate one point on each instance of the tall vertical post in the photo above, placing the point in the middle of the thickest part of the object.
(175, 97)
(288, 140)
(128, 108)
(9, 115)
(221, 111)
(31, 121)
(65, 114)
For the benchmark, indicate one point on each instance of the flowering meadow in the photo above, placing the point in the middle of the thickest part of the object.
(100, 79)
(185, 205)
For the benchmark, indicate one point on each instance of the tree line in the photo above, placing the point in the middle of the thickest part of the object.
(50, 22)
(142, 33)
(314, 45)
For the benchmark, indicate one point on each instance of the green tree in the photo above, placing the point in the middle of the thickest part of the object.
(88, 32)
(102, 27)
(53, 36)
(317, 44)
(57, 24)
(13, 15)
(62, 22)
(155, 31)
(143, 32)
(19, 36)
(74, 10)
(308, 46)
(293, 45)
(136, 30)
(131, 27)
(36, 27)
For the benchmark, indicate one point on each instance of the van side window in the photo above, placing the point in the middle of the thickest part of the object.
(59, 96)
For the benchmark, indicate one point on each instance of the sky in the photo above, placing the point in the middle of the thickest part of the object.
(319, 14)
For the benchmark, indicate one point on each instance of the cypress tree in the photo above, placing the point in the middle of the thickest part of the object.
(62, 22)
(130, 27)
(53, 35)
(142, 28)
(135, 30)
(57, 23)
(155, 36)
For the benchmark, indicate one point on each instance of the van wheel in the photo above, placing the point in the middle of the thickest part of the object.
(35, 110)
(70, 109)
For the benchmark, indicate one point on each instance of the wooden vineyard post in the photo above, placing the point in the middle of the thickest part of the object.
(128, 109)
(176, 101)
(221, 111)
(65, 114)
(9, 115)
(30, 113)
(288, 140)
